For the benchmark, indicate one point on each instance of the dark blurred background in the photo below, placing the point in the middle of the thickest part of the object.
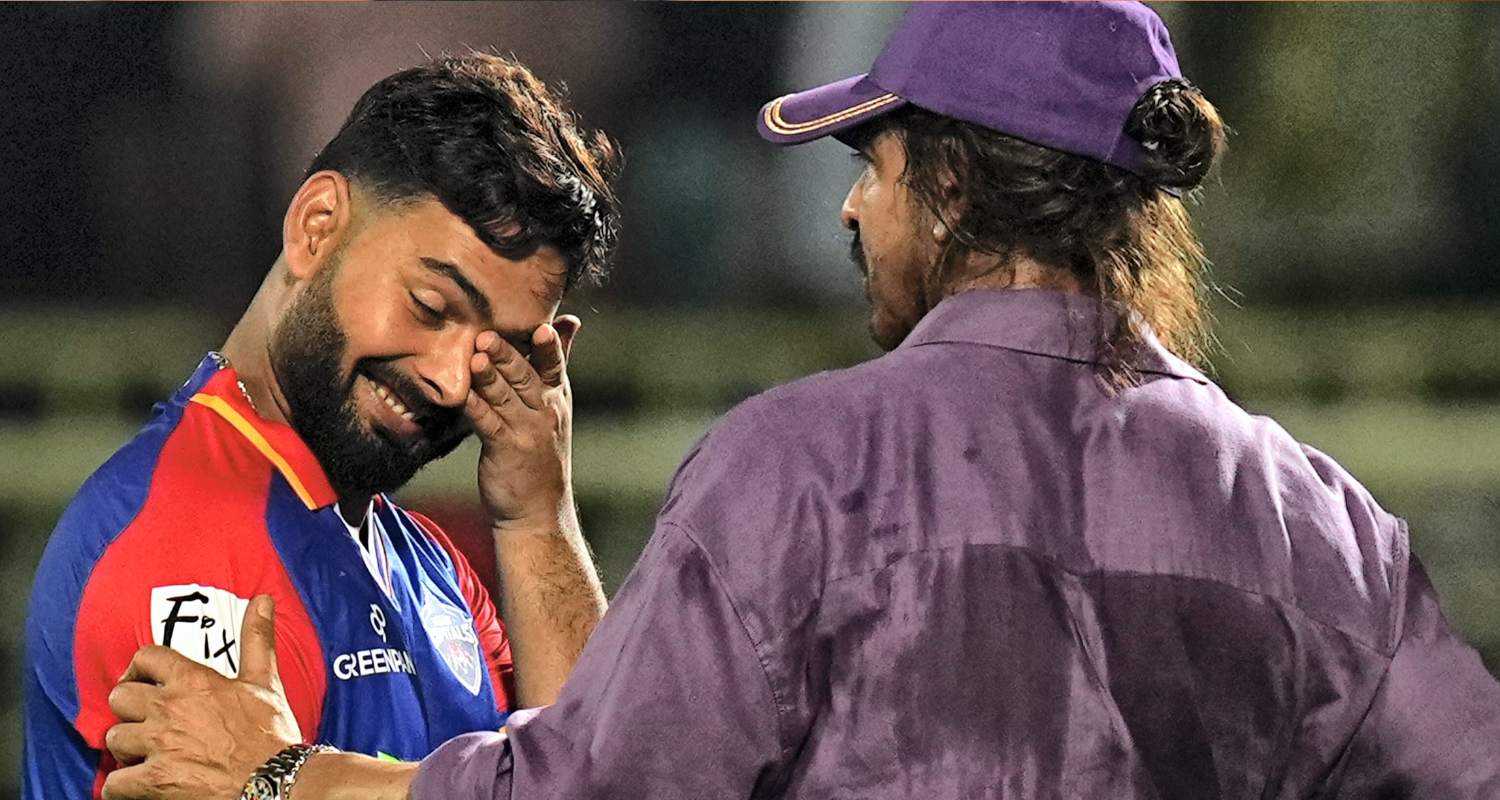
(147, 154)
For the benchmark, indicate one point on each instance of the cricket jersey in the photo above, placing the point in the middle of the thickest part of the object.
(387, 644)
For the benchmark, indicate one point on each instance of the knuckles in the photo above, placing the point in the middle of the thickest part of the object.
(112, 787)
(112, 741)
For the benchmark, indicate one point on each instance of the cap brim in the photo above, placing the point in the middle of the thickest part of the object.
(828, 109)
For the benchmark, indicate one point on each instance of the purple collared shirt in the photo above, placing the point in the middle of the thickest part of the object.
(963, 570)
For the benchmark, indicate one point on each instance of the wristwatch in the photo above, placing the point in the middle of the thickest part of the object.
(274, 779)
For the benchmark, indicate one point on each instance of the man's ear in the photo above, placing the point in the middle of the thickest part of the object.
(951, 207)
(317, 221)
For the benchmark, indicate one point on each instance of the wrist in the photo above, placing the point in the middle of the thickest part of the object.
(349, 776)
(275, 779)
(548, 518)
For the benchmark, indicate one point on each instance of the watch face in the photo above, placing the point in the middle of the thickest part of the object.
(261, 788)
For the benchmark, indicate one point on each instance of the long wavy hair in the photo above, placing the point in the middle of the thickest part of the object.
(1125, 236)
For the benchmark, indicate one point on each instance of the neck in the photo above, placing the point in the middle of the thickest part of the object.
(248, 350)
(249, 353)
(1023, 272)
(354, 507)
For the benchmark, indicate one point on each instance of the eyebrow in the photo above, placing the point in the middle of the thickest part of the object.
(521, 340)
(452, 273)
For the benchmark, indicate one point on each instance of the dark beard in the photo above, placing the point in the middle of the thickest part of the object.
(306, 350)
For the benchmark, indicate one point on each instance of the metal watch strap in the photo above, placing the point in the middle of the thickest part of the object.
(275, 778)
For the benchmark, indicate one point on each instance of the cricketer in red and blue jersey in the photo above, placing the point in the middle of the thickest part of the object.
(414, 303)
(388, 645)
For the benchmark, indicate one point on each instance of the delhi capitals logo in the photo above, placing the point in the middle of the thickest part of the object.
(453, 637)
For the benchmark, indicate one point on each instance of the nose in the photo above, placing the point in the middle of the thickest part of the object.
(849, 213)
(444, 369)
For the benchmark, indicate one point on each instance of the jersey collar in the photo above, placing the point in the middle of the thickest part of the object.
(1041, 322)
(279, 443)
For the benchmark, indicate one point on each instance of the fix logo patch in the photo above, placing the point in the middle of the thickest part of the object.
(200, 622)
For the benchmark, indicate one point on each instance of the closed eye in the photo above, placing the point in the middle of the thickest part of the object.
(425, 313)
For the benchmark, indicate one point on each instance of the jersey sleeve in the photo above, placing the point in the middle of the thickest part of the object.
(193, 605)
(181, 573)
(493, 639)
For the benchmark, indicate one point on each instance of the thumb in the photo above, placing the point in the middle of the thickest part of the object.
(258, 643)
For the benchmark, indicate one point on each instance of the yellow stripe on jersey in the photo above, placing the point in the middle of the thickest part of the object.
(243, 425)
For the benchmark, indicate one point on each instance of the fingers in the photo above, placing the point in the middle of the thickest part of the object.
(157, 664)
(567, 327)
(128, 742)
(258, 643)
(144, 781)
(133, 702)
(501, 374)
(547, 355)
(486, 421)
(130, 783)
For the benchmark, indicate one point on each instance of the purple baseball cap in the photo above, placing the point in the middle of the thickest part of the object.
(1061, 75)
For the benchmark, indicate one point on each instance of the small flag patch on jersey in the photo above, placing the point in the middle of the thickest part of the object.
(452, 633)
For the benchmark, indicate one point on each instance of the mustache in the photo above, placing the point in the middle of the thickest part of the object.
(437, 422)
(857, 254)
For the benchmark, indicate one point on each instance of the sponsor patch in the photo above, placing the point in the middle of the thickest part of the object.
(200, 622)
(376, 661)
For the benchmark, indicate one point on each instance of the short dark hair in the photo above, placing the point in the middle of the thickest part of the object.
(487, 139)
(1122, 234)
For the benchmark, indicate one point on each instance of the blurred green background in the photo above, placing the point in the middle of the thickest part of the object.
(148, 153)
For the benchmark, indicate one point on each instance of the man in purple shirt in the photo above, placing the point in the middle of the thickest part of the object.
(1030, 552)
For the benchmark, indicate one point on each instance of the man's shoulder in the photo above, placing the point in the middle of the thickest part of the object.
(181, 461)
(1236, 499)
(148, 522)
(180, 492)
(763, 457)
(803, 412)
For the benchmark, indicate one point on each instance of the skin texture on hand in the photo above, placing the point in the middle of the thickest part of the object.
(523, 414)
(189, 733)
(550, 597)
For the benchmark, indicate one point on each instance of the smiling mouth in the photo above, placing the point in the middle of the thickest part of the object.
(392, 400)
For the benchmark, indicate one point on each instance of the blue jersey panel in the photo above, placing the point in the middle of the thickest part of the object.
(56, 762)
(392, 688)
(460, 695)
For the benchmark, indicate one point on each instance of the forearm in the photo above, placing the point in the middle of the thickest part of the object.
(349, 776)
(550, 598)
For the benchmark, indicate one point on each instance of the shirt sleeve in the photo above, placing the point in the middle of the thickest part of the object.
(670, 678)
(493, 639)
(192, 603)
(1433, 730)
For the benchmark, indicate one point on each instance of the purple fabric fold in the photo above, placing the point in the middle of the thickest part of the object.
(475, 765)
(967, 570)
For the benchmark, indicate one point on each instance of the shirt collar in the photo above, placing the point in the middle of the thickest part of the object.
(1042, 322)
(216, 386)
